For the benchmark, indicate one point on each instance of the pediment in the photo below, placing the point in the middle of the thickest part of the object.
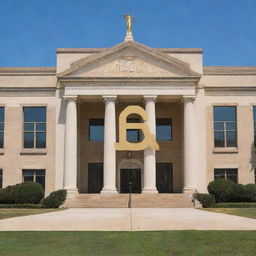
(129, 59)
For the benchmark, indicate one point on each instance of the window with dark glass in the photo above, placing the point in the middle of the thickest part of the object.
(34, 176)
(96, 129)
(133, 135)
(163, 129)
(254, 125)
(1, 127)
(226, 174)
(34, 128)
(1, 178)
(225, 126)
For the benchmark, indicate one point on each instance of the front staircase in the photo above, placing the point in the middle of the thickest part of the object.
(137, 201)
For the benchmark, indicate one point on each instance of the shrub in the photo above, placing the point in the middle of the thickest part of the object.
(235, 205)
(239, 194)
(222, 189)
(7, 195)
(250, 192)
(28, 193)
(207, 200)
(55, 199)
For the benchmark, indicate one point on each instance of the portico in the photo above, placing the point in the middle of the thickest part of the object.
(100, 87)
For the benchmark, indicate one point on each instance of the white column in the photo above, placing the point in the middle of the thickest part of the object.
(70, 174)
(109, 177)
(149, 154)
(189, 146)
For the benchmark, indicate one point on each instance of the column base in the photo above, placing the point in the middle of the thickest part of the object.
(189, 190)
(71, 192)
(109, 191)
(149, 191)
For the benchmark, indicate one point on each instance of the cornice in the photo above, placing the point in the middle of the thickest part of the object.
(96, 50)
(229, 70)
(27, 71)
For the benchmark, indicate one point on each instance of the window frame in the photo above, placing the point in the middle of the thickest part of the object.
(35, 131)
(225, 130)
(89, 129)
(2, 131)
(225, 170)
(34, 175)
(171, 135)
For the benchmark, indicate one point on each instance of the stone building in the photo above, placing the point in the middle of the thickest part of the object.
(58, 126)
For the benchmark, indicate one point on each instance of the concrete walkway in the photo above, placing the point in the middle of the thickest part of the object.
(124, 219)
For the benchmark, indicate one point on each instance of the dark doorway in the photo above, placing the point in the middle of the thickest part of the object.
(95, 177)
(133, 176)
(164, 177)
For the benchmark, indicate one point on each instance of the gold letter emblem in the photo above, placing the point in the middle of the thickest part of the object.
(149, 139)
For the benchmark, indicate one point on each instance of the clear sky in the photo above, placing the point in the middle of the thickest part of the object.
(31, 30)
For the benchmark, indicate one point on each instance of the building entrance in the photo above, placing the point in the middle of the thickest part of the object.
(132, 176)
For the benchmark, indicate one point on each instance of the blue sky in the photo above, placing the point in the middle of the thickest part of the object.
(31, 30)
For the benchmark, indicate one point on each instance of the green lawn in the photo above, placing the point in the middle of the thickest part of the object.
(157, 243)
(244, 212)
(9, 213)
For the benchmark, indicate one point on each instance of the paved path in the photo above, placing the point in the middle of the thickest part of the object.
(123, 219)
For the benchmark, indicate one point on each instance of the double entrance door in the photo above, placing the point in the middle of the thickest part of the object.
(131, 179)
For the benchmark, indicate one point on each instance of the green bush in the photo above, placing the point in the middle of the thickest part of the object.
(7, 195)
(31, 206)
(222, 189)
(250, 192)
(28, 193)
(235, 205)
(239, 194)
(55, 199)
(207, 200)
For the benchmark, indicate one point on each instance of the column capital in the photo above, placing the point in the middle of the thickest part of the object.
(70, 97)
(188, 97)
(109, 98)
(150, 98)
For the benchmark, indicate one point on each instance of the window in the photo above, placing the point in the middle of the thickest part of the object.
(163, 129)
(34, 175)
(34, 128)
(225, 127)
(1, 178)
(1, 127)
(96, 129)
(254, 124)
(226, 174)
(133, 135)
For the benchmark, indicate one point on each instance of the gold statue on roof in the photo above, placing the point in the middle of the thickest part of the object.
(129, 20)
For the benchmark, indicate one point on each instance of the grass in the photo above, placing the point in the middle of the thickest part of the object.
(9, 213)
(244, 212)
(159, 243)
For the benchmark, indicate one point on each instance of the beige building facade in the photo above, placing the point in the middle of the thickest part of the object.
(59, 126)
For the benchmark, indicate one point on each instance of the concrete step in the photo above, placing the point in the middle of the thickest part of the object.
(137, 201)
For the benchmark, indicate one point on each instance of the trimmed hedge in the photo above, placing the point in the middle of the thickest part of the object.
(250, 192)
(222, 189)
(207, 200)
(30, 206)
(55, 199)
(7, 195)
(28, 193)
(235, 205)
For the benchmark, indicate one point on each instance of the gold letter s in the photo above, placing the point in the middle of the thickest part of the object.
(149, 139)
